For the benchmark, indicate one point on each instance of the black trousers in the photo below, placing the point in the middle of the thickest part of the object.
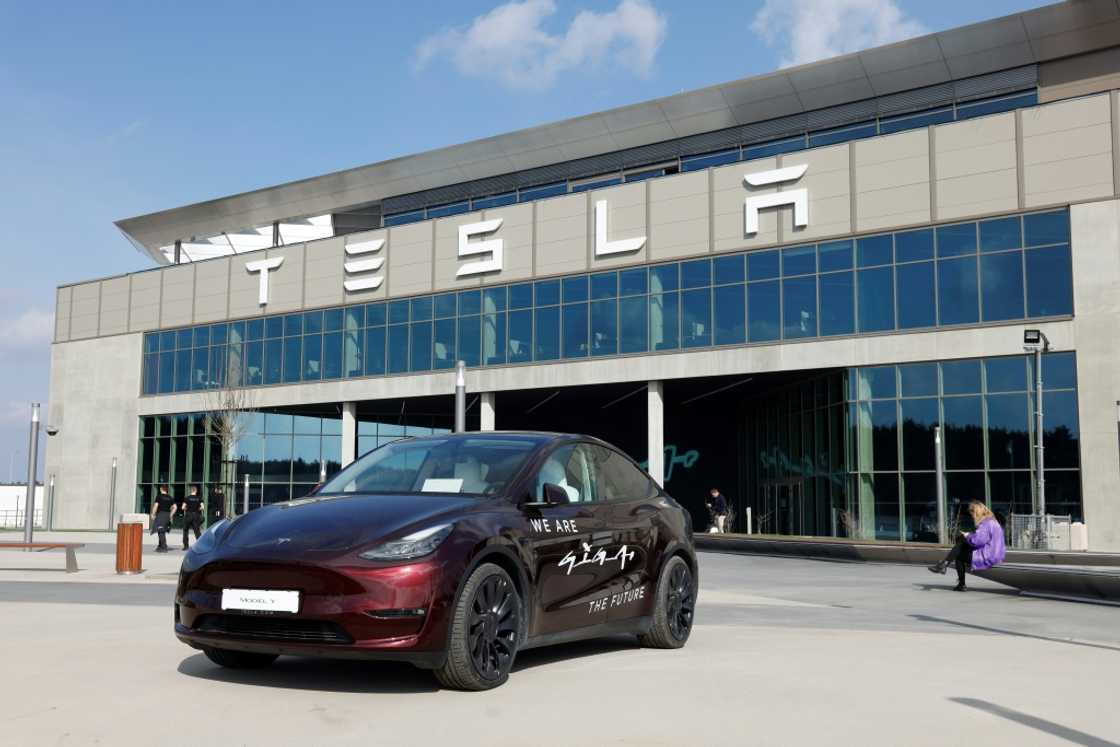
(162, 524)
(191, 520)
(961, 557)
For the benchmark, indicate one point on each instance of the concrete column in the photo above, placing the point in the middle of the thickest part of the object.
(349, 432)
(655, 426)
(486, 412)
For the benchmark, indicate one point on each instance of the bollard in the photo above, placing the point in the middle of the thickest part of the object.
(130, 543)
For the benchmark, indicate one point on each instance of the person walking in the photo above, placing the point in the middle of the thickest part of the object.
(975, 551)
(192, 516)
(717, 505)
(217, 505)
(163, 510)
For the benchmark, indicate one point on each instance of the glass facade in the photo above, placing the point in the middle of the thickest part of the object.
(851, 454)
(997, 270)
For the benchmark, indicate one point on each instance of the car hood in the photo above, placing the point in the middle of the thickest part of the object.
(335, 523)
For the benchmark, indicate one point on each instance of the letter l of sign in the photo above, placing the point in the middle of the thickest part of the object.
(492, 247)
(263, 266)
(604, 247)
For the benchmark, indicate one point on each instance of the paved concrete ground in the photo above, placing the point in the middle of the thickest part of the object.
(785, 652)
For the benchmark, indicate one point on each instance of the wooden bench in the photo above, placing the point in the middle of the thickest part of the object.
(69, 547)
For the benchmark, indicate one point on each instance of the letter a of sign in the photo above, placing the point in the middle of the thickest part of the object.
(363, 266)
(263, 266)
(799, 198)
(493, 247)
(604, 247)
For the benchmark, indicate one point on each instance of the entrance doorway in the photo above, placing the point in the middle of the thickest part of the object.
(783, 507)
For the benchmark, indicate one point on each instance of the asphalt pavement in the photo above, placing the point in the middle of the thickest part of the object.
(785, 652)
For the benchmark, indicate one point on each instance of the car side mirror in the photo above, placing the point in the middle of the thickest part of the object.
(554, 495)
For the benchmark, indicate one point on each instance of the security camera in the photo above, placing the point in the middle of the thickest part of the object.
(52, 430)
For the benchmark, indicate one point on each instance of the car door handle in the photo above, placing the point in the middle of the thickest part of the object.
(644, 509)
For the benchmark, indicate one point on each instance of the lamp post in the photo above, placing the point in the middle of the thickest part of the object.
(460, 397)
(1034, 341)
(32, 469)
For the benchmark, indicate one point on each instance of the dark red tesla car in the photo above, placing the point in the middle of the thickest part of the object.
(451, 552)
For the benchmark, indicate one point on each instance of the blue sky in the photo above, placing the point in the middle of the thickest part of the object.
(115, 110)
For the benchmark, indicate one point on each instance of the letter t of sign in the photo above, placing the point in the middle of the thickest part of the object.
(799, 198)
(263, 266)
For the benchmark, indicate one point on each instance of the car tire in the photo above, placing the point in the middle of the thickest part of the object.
(486, 629)
(676, 604)
(229, 659)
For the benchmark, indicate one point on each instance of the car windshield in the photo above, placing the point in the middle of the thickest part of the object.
(481, 466)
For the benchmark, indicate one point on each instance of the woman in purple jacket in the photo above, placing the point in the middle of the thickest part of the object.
(978, 550)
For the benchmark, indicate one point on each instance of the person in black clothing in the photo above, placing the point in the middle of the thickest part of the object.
(217, 505)
(163, 510)
(717, 504)
(192, 516)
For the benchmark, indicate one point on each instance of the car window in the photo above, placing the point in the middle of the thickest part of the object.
(570, 468)
(617, 479)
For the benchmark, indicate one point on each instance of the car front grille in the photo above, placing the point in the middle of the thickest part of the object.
(273, 629)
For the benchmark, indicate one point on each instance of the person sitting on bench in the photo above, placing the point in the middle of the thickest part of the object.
(978, 550)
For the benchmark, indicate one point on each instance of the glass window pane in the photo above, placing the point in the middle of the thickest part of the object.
(917, 304)
(1059, 371)
(398, 312)
(964, 428)
(494, 339)
(1049, 282)
(293, 359)
(604, 327)
(375, 314)
(957, 292)
(914, 121)
(919, 417)
(993, 105)
(493, 300)
(1006, 374)
(695, 163)
(1000, 233)
(875, 250)
(913, 245)
(547, 293)
(885, 523)
(332, 355)
(1009, 422)
(836, 255)
(876, 299)
(1061, 428)
(352, 358)
(312, 357)
(521, 296)
(575, 330)
(1063, 493)
(728, 269)
(762, 265)
(877, 382)
(375, 351)
(1001, 283)
(546, 333)
(730, 306)
(842, 134)
(878, 435)
(633, 282)
(421, 348)
(167, 340)
(1011, 493)
(696, 318)
(305, 458)
(953, 241)
(422, 309)
(151, 342)
(520, 336)
(354, 317)
(201, 337)
(762, 311)
(278, 458)
(470, 339)
(398, 348)
(918, 379)
(920, 498)
(837, 301)
(696, 274)
(274, 327)
(604, 285)
(960, 377)
(293, 325)
(444, 305)
(151, 374)
(313, 322)
(632, 320)
(254, 364)
(186, 337)
(444, 344)
(664, 321)
(799, 307)
(575, 289)
(664, 278)
(773, 148)
(799, 260)
(1046, 228)
(545, 190)
(960, 488)
(200, 368)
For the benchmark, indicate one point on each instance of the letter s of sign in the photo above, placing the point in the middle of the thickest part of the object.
(604, 247)
(799, 198)
(363, 266)
(493, 247)
(263, 266)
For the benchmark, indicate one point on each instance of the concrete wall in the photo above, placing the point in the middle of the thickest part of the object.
(95, 385)
(1096, 330)
(1054, 154)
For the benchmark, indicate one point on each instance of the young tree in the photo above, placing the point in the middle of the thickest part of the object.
(227, 407)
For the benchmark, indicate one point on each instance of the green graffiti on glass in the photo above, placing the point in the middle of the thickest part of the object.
(672, 459)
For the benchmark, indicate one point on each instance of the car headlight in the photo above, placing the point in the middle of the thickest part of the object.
(410, 546)
(209, 539)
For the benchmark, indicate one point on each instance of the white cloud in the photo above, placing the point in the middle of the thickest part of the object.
(30, 329)
(810, 30)
(510, 43)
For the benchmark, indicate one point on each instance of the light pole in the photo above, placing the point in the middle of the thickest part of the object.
(1034, 341)
(32, 469)
(460, 397)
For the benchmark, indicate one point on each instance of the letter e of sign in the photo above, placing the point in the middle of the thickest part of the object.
(799, 198)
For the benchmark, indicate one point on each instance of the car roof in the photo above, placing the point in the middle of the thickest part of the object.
(538, 436)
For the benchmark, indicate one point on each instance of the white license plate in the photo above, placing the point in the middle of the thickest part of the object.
(260, 600)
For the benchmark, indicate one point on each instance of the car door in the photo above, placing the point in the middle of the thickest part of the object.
(568, 545)
(631, 504)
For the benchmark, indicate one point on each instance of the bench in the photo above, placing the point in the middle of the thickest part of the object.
(1081, 583)
(69, 547)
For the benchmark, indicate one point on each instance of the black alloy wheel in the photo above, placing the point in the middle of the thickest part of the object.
(681, 602)
(486, 630)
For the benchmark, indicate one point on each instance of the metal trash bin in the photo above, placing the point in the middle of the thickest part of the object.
(130, 542)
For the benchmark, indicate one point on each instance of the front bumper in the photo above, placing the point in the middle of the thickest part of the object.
(393, 612)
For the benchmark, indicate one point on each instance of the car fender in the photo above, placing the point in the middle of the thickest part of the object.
(490, 548)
